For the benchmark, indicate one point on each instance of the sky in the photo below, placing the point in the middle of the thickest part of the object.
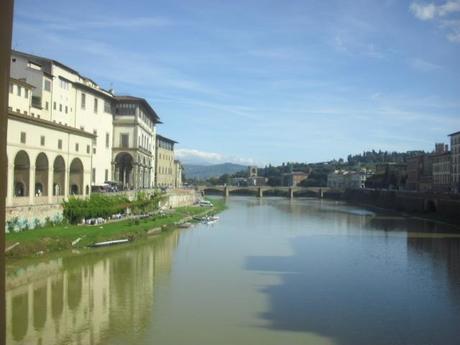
(265, 81)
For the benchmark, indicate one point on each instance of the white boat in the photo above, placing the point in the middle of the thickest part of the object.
(110, 243)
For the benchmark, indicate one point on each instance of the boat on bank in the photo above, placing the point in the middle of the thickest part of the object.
(109, 243)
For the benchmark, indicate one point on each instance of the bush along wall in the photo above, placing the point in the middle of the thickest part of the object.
(105, 206)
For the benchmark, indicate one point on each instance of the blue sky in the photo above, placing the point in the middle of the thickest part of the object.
(267, 81)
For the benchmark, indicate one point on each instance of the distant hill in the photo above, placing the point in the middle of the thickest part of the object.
(203, 172)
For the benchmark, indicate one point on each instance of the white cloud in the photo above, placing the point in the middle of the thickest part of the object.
(424, 66)
(193, 156)
(434, 12)
(430, 11)
(68, 23)
(422, 11)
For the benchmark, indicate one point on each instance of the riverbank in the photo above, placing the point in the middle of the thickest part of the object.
(430, 206)
(61, 237)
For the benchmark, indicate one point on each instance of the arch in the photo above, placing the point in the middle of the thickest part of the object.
(76, 177)
(58, 176)
(21, 174)
(41, 175)
(124, 169)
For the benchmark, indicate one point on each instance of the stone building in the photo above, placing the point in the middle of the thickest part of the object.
(343, 179)
(164, 167)
(294, 178)
(420, 173)
(178, 170)
(134, 131)
(442, 172)
(455, 156)
(66, 134)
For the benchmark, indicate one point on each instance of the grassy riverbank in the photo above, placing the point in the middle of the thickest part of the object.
(60, 237)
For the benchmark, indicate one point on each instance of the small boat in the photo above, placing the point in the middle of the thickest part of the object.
(110, 243)
(185, 225)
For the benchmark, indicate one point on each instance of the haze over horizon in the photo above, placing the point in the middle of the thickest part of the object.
(267, 81)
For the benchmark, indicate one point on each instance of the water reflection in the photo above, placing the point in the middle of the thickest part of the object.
(89, 299)
(359, 285)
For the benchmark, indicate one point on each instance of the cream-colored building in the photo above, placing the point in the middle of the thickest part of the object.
(165, 166)
(134, 135)
(178, 174)
(66, 135)
(47, 161)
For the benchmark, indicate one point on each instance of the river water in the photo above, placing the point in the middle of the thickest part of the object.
(271, 271)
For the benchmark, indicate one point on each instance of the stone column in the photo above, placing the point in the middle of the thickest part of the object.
(260, 193)
(113, 172)
(66, 183)
(10, 186)
(50, 184)
(226, 192)
(291, 193)
(31, 184)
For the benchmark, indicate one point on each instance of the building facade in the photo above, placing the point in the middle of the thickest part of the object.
(178, 174)
(442, 174)
(66, 135)
(294, 178)
(134, 132)
(165, 166)
(342, 179)
(455, 156)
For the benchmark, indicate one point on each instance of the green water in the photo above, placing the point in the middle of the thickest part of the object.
(271, 271)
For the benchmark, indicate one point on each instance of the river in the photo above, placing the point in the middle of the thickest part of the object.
(270, 271)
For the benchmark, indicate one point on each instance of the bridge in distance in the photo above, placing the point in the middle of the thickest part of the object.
(260, 190)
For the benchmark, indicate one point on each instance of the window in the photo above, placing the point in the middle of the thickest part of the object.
(82, 128)
(54, 105)
(95, 105)
(93, 177)
(95, 134)
(11, 88)
(66, 109)
(87, 149)
(60, 107)
(23, 137)
(42, 140)
(107, 107)
(19, 90)
(26, 93)
(64, 84)
(107, 140)
(47, 105)
(77, 147)
(60, 144)
(83, 101)
(124, 140)
(106, 176)
(47, 85)
(126, 109)
(94, 150)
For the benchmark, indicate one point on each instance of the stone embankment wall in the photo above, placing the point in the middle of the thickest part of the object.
(439, 205)
(180, 198)
(31, 214)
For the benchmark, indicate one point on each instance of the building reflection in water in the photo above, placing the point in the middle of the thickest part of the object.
(87, 299)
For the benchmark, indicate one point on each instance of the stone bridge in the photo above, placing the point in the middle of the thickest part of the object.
(260, 190)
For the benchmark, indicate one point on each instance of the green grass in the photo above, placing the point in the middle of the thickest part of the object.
(51, 239)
